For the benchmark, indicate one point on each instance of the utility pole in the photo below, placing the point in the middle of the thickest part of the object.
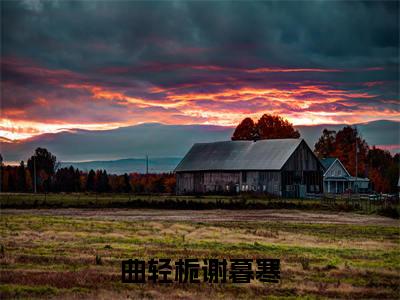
(147, 164)
(34, 173)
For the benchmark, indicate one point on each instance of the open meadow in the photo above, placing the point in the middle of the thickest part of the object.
(77, 252)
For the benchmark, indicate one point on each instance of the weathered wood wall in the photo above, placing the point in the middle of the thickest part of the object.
(228, 182)
(301, 173)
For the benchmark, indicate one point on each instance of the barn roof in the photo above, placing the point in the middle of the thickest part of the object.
(239, 155)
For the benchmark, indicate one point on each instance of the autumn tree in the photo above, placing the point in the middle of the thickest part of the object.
(267, 127)
(343, 145)
(245, 130)
(170, 184)
(347, 142)
(275, 127)
(325, 146)
(383, 170)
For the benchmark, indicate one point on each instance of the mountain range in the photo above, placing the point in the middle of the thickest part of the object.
(164, 144)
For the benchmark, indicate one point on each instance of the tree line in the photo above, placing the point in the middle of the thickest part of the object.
(51, 178)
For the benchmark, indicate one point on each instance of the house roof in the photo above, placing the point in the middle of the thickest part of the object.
(327, 162)
(239, 155)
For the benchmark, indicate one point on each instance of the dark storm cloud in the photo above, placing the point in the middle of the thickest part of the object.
(89, 34)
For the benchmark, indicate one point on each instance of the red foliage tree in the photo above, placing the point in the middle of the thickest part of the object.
(345, 149)
(275, 127)
(326, 144)
(376, 164)
(267, 127)
(245, 130)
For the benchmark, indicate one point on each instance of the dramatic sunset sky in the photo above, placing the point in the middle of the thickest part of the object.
(106, 64)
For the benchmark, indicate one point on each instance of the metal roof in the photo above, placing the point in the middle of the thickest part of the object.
(239, 155)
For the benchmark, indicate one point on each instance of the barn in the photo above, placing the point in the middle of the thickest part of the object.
(280, 167)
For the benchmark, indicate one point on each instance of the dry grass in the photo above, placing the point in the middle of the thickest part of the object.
(55, 256)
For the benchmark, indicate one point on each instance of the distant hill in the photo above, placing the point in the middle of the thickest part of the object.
(128, 165)
(381, 132)
(167, 143)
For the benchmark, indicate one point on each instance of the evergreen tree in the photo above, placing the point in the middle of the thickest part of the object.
(21, 186)
(91, 181)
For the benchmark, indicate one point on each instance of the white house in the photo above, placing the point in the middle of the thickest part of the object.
(337, 179)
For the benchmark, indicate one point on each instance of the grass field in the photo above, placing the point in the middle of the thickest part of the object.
(75, 253)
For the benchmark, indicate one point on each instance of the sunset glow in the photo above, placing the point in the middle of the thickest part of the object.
(212, 72)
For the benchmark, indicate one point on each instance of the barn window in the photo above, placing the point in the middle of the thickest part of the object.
(244, 177)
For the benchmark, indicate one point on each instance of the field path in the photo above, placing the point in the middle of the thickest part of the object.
(218, 215)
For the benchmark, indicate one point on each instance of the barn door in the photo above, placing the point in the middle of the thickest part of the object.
(198, 182)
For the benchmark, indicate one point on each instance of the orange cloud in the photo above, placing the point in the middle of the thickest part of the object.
(62, 100)
(18, 130)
